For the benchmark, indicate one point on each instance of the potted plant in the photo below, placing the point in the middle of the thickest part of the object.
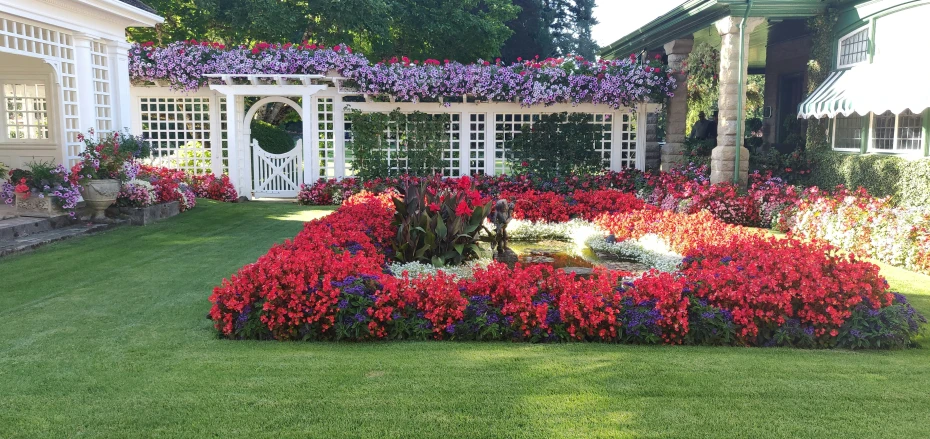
(107, 160)
(44, 190)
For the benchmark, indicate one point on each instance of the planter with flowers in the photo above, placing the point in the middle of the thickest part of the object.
(138, 201)
(43, 190)
(106, 161)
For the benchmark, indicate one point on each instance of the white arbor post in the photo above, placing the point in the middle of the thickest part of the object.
(464, 142)
(310, 138)
(84, 70)
(339, 137)
(118, 54)
(232, 138)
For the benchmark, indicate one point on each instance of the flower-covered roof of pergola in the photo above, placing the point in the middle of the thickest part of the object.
(190, 65)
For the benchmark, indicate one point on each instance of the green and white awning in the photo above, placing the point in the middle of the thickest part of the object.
(863, 90)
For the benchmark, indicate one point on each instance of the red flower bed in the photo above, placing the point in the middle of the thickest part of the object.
(735, 286)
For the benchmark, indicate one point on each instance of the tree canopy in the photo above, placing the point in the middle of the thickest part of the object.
(454, 29)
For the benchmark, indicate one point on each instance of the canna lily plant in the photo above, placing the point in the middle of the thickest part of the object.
(441, 226)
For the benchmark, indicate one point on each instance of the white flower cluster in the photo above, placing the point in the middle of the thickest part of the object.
(576, 231)
(417, 269)
(650, 249)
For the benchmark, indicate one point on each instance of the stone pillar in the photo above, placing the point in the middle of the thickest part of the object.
(653, 151)
(722, 163)
(676, 118)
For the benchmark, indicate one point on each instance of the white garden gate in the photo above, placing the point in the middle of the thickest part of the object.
(277, 175)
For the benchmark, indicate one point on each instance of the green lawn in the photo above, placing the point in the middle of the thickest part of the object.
(106, 336)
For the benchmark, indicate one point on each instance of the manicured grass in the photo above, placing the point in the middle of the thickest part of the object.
(107, 337)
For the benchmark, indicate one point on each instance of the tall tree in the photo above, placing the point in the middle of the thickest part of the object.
(583, 12)
(531, 34)
(571, 25)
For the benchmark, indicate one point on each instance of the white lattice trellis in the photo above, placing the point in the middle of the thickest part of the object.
(477, 131)
(179, 130)
(103, 114)
(627, 141)
(326, 137)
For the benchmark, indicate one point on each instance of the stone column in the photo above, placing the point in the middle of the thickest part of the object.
(673, 151)
(653, 151)
(722, 163)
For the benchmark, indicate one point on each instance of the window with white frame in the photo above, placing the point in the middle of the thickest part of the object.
(899, 133)
(25, 108)
(847, 132)
(854, 48)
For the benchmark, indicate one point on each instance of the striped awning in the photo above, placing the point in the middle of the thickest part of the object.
(864, 90)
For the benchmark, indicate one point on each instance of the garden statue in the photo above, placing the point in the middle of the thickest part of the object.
(503, 212)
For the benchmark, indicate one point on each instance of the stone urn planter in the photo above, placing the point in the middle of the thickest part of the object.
(99, 195)
(32, 205)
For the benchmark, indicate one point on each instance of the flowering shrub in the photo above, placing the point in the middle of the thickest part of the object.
(137, 193)
(106, 156)
(856, 222)
(169, 185)
(43, 179)
(734, 287)
(571, 80)
(209, 186)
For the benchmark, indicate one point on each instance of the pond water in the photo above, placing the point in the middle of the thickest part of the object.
(565, 255)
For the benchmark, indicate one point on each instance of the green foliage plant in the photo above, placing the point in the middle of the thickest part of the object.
(395, 143)
(558, 144)
(271, 138)
(439, 227)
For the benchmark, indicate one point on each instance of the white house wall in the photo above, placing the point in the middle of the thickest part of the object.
(83, 44)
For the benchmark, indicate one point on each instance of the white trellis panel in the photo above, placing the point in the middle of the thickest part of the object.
(277, 175)
(103, 114)
(181, 131)
(478, 132)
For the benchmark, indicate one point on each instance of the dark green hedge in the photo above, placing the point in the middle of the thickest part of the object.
(271, 138)
(908, 181)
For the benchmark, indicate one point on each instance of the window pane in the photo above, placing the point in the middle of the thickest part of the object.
(883, 131)
(848, 132)
(910, 132)
(854, 48)
(27, 111)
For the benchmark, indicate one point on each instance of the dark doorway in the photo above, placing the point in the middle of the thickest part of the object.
(790, 93)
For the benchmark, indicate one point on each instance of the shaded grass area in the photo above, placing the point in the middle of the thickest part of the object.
(107, 337)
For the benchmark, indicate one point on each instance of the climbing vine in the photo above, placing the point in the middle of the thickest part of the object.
(703, 70)
(395, 143)
(818, 68)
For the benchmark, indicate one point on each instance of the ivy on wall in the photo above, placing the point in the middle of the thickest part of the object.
(557, 145)
(390, 144)
(818, 68)
(703, 70)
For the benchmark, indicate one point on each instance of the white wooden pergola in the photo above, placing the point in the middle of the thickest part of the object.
(478, 130)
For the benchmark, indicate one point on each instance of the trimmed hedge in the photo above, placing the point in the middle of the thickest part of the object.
(907, 181)
(271, 138)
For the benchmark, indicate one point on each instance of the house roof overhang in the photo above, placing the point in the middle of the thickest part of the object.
(694, 15)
